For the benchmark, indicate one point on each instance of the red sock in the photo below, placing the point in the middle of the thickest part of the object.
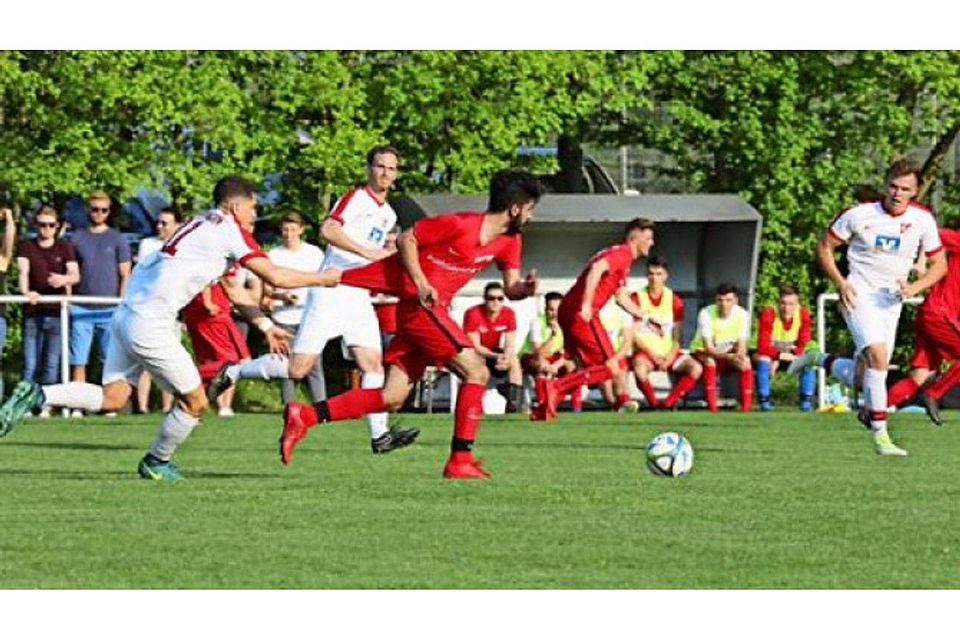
(679, 390)
(356, 404)
(901, 391)
(589, 376)
(949, 378)
(647, 389)
(710, 387)
(622, 399)
(746, 389)
(576, 399)
(466, 420)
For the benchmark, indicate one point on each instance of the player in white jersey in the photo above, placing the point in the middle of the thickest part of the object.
(355, 232)
(145, 335)
(883, 240)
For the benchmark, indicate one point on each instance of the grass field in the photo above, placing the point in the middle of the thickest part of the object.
(781, 500)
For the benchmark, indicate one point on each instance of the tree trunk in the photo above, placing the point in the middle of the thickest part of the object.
(570, 157)
(928, 174)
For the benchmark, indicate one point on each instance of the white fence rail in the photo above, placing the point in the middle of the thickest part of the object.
(822, 337)
(64, 302)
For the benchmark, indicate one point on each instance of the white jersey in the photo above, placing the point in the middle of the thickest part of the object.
(883, 247)
(198, 253)
(148, 246)
(366, 220)
(308, 257)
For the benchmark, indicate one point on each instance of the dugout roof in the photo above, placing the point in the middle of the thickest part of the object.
(706, 239)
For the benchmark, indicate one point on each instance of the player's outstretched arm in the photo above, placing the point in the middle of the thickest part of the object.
(292, 278)
(409, 250)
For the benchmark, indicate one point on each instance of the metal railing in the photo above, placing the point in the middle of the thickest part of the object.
(64, 302)
(822, 337)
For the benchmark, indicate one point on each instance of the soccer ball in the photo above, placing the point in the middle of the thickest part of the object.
(669, 454)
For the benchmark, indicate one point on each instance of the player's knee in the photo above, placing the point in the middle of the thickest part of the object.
(194, 403)
(393, 399)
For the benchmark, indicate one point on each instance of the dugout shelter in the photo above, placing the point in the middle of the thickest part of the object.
(706, 240)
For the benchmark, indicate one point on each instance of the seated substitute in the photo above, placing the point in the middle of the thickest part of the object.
(782, 335)
(492, 328)
(542, 351)
(720, 344)
(656, 344)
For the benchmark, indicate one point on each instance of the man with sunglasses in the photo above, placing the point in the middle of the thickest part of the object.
(105, 262)
(47, 266)
(492, 327)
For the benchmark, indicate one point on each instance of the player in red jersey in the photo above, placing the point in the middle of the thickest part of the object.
(436, 258)
(782, 335)
(492, 328)
(936, 337)
(584, 336)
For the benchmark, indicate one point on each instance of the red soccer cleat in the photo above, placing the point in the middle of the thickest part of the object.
(467, 470)
(294, 429)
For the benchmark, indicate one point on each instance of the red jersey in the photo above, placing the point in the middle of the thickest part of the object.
(766, 344)
(490, 329)
(450, 256)
(944, 295)
(619, 259)
(195, 312)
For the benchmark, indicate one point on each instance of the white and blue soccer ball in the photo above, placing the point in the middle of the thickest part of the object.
(669, 454)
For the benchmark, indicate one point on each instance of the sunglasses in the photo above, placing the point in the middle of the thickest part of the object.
(497, 298)
(46, 225)
(99, 209)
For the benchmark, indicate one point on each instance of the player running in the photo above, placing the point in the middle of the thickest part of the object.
(883, 239)
(355, 232)
(437, 257)
(585, 338)
(145, 334)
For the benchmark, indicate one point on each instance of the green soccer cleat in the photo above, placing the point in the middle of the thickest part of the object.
(884, 446)
(810, 358)
(151, 468)
(26, 397)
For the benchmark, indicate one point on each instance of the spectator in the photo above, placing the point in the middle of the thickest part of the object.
(782, 335)
(720, 344)
(6, 254)
(104, 258)
(47, 266)
(542, 352)
(656, 344)
(286, 305)
(168, 221)
(492, 328)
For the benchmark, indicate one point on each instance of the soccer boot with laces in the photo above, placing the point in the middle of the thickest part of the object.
(26, 397)
(932, 407)
(151, 468)
(294, 429)
(810, 358)
(219, 383)
(465, 470)
(884, 446)
(396, 438)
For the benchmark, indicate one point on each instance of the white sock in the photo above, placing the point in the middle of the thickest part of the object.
(875, 386)
(174, 429)
(376, 421)
(74, 395)
(267, 367)
(844, 370)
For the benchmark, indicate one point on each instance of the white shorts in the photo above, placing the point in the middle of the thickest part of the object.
(333, 312)
(138, 344)
(874, 318)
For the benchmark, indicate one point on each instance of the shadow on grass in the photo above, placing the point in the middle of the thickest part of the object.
(69, 475)
(74, 446)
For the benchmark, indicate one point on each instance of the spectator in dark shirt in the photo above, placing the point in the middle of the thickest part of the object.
(6, 254)
(104, 258)
(47, 266)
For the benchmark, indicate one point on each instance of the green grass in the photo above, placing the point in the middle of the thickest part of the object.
(781, 500)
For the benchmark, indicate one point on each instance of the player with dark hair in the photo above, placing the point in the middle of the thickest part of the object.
(585, 338)
(492, 327)
(436, 258)
(720, 344)
(782, 335)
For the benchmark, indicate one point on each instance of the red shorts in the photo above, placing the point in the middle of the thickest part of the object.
(586, 341)
(528, 360)
(214, 342)
(424, 337)
(936, 338)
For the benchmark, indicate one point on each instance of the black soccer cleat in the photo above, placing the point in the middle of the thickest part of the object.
(219, 383)
(394, 439)
(864, 418)
(932, 407)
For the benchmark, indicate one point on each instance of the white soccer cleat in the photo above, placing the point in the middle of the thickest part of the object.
(884, 446)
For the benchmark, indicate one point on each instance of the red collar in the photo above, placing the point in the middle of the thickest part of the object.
(373, 195)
